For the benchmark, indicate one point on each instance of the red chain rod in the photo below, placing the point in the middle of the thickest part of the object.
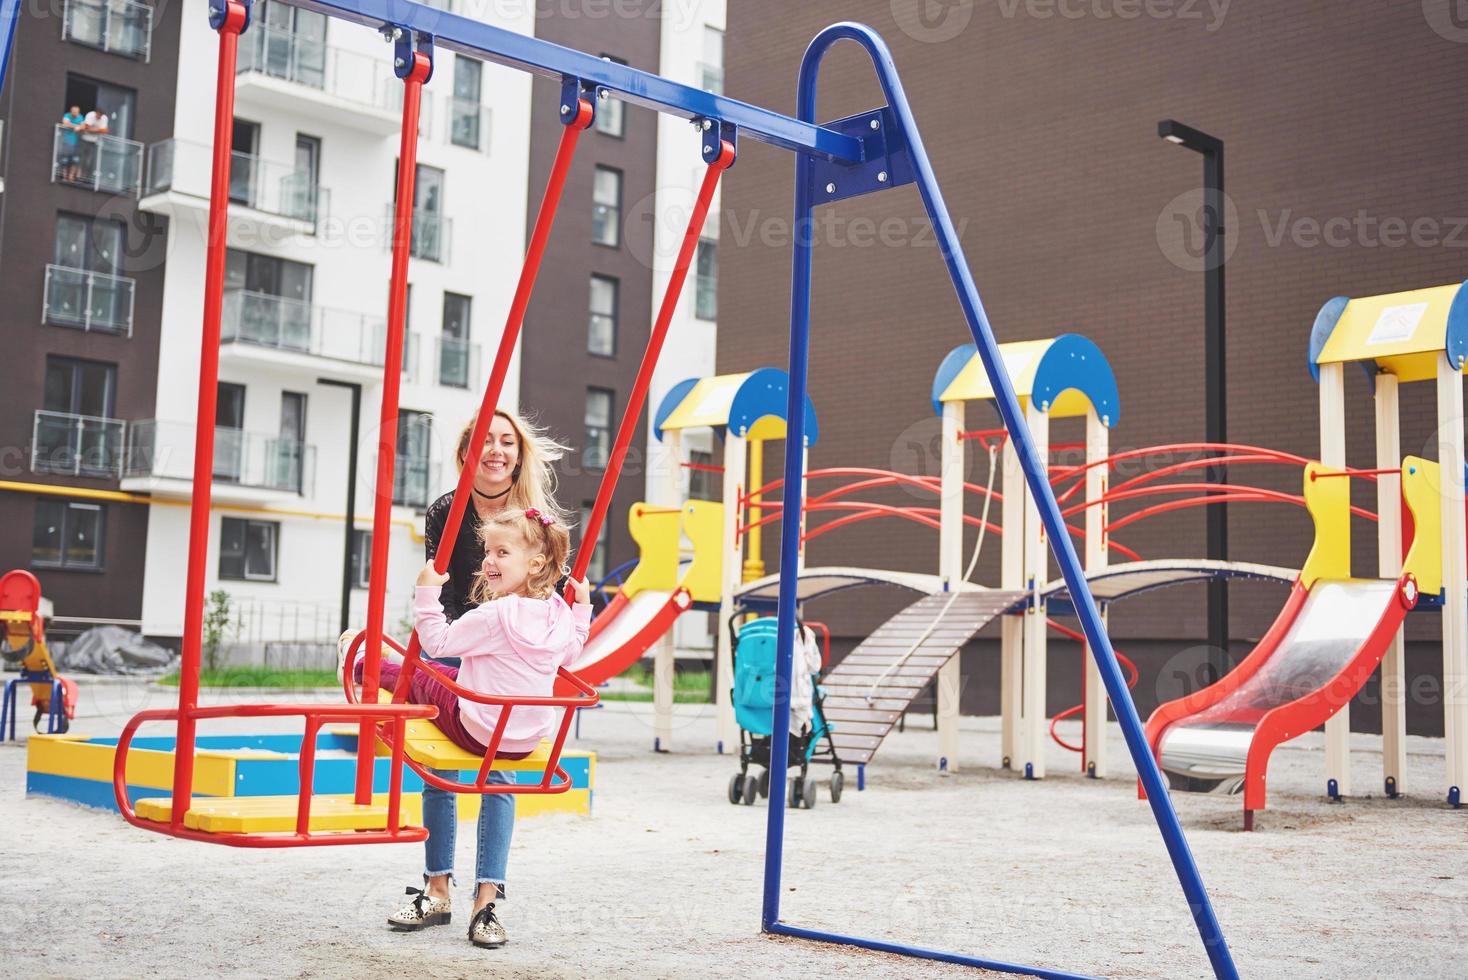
(629, 424)
(1314, 475)
(702, 467)
(387, 429)
(203, 477)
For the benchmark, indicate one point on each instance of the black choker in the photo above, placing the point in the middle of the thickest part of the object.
(494, 496)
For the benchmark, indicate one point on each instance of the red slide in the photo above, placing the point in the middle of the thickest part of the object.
(625, 630)
(1322, 648)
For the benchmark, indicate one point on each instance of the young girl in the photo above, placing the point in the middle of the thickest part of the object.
(511, 642)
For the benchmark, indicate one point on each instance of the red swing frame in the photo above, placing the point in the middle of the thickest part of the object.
(382, 722)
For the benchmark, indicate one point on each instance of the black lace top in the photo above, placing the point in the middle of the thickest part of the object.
(467, 557)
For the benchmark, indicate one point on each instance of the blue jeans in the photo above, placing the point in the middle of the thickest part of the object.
(496, 827)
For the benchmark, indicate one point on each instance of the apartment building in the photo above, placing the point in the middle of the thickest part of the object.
(315, 141)
(81, 293)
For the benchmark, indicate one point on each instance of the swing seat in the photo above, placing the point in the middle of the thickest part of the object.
(271, 814)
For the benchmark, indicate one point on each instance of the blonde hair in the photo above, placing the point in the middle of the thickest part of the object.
(534, 480)
(551, 540)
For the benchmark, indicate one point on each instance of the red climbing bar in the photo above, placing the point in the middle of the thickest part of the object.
(387, 428)
(628, 426)
(193, 631)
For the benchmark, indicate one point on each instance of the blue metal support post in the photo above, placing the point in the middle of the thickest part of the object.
(809, 190)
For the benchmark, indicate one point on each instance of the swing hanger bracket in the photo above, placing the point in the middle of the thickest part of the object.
(578, 101)
(716, 133)
(232, 15)
(412, 52)
(885, 159)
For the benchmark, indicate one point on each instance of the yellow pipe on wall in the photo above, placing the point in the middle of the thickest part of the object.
(754, 565)
(120, 496)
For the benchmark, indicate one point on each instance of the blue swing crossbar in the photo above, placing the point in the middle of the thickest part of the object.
(861, 154)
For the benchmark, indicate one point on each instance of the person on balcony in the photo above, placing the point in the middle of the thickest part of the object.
(94, 127)
(68, 156)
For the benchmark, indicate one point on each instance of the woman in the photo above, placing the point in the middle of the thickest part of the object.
(514, 472)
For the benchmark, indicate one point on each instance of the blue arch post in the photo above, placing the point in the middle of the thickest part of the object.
(899, 118)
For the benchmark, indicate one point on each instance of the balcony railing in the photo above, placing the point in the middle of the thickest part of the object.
(274, 188)
(96, 161)
(156, 448)
(343, 74)
(89, 300)
(457, 361)
(275, 322)
(118, 26)
(432, 233)
(469, 125)
(76, 445)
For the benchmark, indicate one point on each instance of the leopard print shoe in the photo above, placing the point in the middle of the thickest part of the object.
(485, 929)
(424, 910)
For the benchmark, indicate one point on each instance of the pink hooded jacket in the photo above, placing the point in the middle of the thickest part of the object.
(512, 645)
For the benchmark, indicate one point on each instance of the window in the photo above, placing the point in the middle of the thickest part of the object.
(301, 193)
(289, 43)
(703, 484)
(606, 212)
(706, 292)
(361, 558)
(597, 448)
(267, 300)
(454, 356)
(229, 435)
(713, 61)
(118, 103)
(286, 456)
(74, 430)
(596, 569)
(96, 152)
(601, 331)
(244, 164)
(464, 126)
(247, 549)
(82, 288)
(610, 112)
(119, 26)
(430, 227)
(68, 534)
(411, 474)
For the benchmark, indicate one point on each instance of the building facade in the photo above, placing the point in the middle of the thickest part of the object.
(81, 294)
(1042, 129)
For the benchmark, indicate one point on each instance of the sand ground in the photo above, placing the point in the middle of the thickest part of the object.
(664, 879)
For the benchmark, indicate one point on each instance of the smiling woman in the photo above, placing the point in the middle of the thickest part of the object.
(514, 473)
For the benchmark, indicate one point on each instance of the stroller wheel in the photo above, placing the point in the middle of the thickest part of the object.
(751, 790)
(837, 782)
(808, 792)
(764, 784)
(736, 788)
(792, 794)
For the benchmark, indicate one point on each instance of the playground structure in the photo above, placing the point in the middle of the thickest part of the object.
(23, 613)
(866, 153)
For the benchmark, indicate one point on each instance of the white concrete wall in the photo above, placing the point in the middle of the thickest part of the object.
(690, 347)
(485, 197)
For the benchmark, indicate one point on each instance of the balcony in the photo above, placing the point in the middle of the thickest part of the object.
(120, 27)
(76, 445)
(97, 162)
(249, 467)
(91, 301)
(268, 200)
(286, 333)
(290, 72)
(458, 362)
(432, 233)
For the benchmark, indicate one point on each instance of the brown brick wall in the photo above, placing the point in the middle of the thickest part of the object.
(1042, 131)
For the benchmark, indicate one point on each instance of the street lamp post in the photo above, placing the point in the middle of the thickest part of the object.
(356, 391)
(1215, 422)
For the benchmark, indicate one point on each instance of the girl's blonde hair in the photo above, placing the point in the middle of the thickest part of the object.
(549, 539)
(534, 478)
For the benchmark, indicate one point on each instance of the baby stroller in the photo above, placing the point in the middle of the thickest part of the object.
(754, 701)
